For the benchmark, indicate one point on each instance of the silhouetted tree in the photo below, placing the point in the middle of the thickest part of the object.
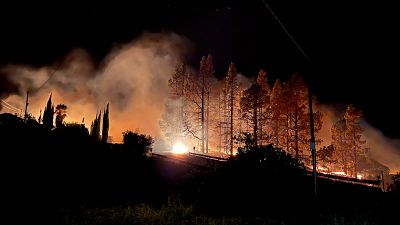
(61, 113)
(95, 128)
(325, 156)
(139, 144)
(77, 128)
(9, 121)
(106, 123)
(395, 186)
(48, 114)
(255, 177)
(253, 105)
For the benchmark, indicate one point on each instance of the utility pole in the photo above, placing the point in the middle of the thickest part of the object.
(312, 141)
(26, 105)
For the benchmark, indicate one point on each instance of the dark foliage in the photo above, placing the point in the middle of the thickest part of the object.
(46, 170)
(61, 113)
(259, 180)
(95, 128)
(48, 114)
(139, 144)
(106, 125)
(49, 172)
(395, 186)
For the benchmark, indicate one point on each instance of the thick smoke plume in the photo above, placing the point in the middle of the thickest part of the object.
(133, 78)
(381, 148)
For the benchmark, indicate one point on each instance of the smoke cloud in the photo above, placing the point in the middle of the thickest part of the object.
(381, 148)
(133, 78)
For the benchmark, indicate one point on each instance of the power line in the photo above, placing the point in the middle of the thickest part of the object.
(312, 131)
(8, 105)
(287, 32)
(51, 75)
(90, 19)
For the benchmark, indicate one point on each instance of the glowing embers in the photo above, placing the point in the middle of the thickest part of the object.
(179, 148)
(343, 174)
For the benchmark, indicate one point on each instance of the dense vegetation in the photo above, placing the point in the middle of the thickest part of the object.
(64, 176)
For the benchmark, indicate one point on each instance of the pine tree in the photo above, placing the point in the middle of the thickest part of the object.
(48, 114)
(178, 80)
(231, 88)
(299, 113)
(265, 109)
(197, 98)
(347, 141)
(253, 106)
(354, 132)
(340, 143)
(295, 118)
(276, 112)
(174, 116)
(106, 123)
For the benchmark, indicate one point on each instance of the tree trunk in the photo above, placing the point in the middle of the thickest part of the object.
(231, 118)
(255, 128)
(287, 134)
(202, 114)
(208, 106)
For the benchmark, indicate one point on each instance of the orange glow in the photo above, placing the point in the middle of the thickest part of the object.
(179, 148)
(340, 173)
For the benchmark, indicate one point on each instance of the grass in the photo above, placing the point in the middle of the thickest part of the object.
(173, 213)
(176, 213)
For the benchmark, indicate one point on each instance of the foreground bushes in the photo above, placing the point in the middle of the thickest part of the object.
(173, 213)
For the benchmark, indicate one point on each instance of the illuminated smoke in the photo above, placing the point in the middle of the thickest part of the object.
(381, 148)
(133, 78)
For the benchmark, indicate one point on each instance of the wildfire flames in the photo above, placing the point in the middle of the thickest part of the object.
(343, 174)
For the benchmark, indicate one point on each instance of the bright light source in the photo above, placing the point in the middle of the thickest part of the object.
(179, 148)
(340, 173)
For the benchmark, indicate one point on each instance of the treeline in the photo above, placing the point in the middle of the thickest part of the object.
(61, 113)
(213, 115)
(44, 170)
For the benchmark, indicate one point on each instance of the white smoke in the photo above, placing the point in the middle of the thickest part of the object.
(133, 78)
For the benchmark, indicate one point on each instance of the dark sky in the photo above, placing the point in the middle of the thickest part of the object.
(355, 58)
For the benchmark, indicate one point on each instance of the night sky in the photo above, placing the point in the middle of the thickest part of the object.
(355, 61)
